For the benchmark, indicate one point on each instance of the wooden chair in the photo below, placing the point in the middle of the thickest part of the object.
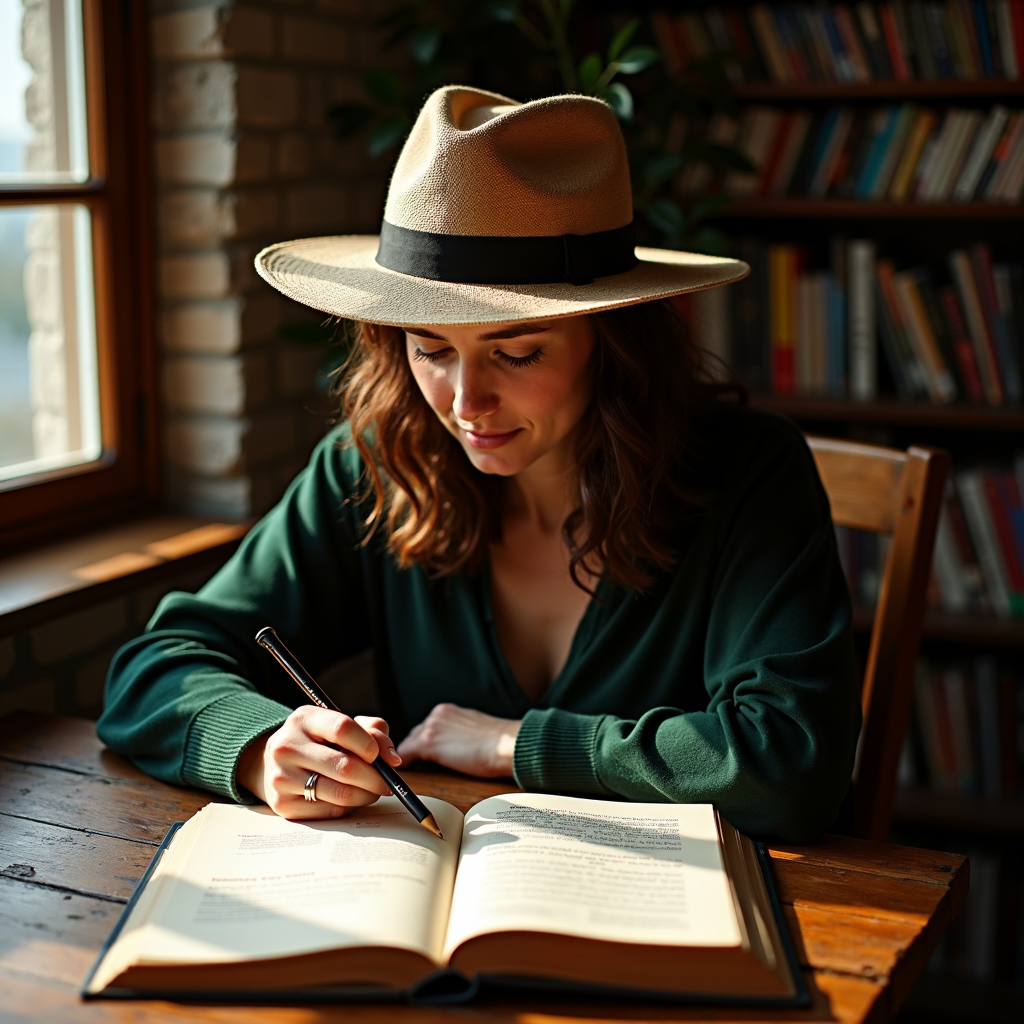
(897, 493)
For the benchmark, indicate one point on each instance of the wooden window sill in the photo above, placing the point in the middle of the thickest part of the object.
(62, 577)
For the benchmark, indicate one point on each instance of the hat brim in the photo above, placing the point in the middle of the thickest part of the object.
(338, 274)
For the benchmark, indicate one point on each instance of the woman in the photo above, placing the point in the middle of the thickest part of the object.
(574, 562)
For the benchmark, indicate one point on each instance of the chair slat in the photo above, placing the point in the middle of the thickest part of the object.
(862, 482)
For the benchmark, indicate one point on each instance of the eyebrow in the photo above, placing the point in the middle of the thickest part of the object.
(515, 331)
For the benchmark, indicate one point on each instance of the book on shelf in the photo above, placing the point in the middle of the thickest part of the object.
(663, 899)
(900, 152)
(965, 729)
(803, 325)
(905, 40)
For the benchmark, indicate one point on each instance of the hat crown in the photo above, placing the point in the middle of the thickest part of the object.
(477, 163)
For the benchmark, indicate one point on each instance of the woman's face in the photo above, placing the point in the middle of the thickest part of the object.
(511, 394)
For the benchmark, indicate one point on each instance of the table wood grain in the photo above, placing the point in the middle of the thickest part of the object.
(78, 825)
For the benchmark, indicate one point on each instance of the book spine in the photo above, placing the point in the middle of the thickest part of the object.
(1000, 513)
(936, 28)
(959, 711)
(877, 145)
(1004, 21)
(986, 678)
(1003, 283)
(927, 719)
(924, 125)
(949, 574)
(973, 579)
(926, 67)
(993, 28)
(665, 37)
(1012, 497)
(998, 330)
(980, 154)
(825, 172)
(874, 36)
(782, 278)
(913, 372)
(901, 69)
(970, 303)
(763, 25)
(970, 37)
(979, 522)
(851, 44)
(981, 29)
(961, 344)
(1009, 716)
(940, 385)
(1017, 18)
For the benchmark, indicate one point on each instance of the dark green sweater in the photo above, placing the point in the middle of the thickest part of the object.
(730, 681)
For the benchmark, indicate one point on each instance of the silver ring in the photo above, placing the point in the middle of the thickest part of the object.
(309, 790)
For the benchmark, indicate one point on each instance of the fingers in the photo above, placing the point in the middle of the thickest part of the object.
(340, 730)
(378, 729)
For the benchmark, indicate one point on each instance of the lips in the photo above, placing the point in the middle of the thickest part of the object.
(489, 440)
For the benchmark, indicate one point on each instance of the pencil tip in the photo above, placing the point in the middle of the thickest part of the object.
(431, 826)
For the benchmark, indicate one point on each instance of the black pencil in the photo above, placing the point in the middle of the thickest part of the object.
(267, 638)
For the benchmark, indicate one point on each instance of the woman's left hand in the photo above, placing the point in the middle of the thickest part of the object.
(466, 741)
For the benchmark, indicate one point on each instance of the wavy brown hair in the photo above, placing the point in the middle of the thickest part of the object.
(634, 443)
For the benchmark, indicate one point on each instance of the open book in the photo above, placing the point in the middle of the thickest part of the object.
(665, 898)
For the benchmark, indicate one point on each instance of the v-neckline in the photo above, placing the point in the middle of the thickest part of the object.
(579, 637)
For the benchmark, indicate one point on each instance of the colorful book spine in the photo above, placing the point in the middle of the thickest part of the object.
(782, 278)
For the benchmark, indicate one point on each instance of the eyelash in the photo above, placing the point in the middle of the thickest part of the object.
(518, 362)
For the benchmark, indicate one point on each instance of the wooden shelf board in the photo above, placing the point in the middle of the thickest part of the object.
(922, 806)
(952, 88)
(861, 209)
(892, 410)
(965, 629)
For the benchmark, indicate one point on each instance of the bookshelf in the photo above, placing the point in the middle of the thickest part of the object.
(777, 210)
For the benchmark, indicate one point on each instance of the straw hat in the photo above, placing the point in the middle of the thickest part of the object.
(496, 211)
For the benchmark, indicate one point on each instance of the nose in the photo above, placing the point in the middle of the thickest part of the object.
(474, 397)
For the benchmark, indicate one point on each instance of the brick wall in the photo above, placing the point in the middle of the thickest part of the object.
(244, 156)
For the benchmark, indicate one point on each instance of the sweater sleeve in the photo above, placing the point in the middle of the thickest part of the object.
(185, 698)
(774, 748)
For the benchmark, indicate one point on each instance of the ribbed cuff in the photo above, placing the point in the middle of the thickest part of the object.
(219, 734)
(555, 752)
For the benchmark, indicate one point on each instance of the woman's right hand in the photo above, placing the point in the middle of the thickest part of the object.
(275, 766)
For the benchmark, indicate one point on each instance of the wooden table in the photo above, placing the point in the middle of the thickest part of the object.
(78, 825)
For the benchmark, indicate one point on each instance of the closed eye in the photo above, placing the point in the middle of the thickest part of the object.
(429, 357)
(520, 361)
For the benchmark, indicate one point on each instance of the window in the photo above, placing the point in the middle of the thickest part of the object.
(76, 378)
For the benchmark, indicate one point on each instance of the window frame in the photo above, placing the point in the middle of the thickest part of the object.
(125, 479)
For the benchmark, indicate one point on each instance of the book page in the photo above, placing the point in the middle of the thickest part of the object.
(621, 872)
(245, 884)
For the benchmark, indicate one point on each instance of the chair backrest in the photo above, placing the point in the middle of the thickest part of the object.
(896, 493)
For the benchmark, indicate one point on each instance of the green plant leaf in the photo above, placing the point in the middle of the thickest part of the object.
(708, 207)
(349, 118)
(424, 43)
(503, 10)
(667, 217)
(622, 38)
(711, 241)
(387, 133)
(661, 169)
(589, 72)
(620, 99)
(384, 86)
(637, 59)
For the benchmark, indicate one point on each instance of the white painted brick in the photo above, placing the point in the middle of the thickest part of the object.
(191, 96)
(258, 210)
(196, 217)
(249, 32)
(222, 386)
(188, 34)
(197, 276)
(206, 159)
(318, 207)
(316, 40)
(254, 158)
(206, 445)
(75, 634)
(209, 328)
(267, 99)
(292, 156)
